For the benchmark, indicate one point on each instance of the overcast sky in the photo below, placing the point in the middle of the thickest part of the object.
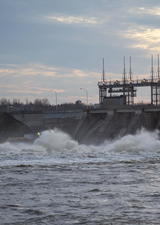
(49, 46)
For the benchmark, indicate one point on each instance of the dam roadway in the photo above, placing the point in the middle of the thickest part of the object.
(128, 109)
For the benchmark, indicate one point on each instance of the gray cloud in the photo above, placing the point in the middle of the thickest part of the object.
(74, 35)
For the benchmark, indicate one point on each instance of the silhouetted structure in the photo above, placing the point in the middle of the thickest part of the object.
(122, 92)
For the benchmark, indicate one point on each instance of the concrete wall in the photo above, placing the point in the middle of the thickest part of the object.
(66, 121)
(114, 100)
(34, 121)
(95, 127)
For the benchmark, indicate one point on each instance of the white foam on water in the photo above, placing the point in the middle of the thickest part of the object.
(57, 146)
(142, 141)
(56, 141)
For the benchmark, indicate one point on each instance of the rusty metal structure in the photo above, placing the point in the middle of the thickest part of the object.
(124, 91)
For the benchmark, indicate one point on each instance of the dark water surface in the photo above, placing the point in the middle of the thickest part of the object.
(57, 181)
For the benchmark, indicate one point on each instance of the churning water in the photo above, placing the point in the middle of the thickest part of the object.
(57, 181)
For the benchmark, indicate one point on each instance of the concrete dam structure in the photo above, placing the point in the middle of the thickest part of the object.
(116, 114)
(96, 126)
(66, 121)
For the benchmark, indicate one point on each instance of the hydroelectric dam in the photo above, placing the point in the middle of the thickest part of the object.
(115, 115)
(95, 126)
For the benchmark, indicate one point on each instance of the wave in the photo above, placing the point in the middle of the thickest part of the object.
(57, 146)
(142, 141)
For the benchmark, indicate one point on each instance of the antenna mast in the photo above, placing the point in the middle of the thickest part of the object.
(158, 67)
(152, 70)
(130, 68)
(124, 71)
(103, 73)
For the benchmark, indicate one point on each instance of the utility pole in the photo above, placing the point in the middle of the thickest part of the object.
(56, 99)
(86, 94)
(131, 94)
(124, 79)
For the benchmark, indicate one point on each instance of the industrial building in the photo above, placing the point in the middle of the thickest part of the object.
(123, 92)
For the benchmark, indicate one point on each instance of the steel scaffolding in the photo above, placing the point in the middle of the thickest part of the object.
(128, 87)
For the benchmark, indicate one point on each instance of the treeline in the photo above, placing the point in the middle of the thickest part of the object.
(38, 105)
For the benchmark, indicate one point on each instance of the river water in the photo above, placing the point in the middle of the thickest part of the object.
(57, 181)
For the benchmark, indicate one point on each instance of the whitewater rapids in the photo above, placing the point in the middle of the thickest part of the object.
(56, 180)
